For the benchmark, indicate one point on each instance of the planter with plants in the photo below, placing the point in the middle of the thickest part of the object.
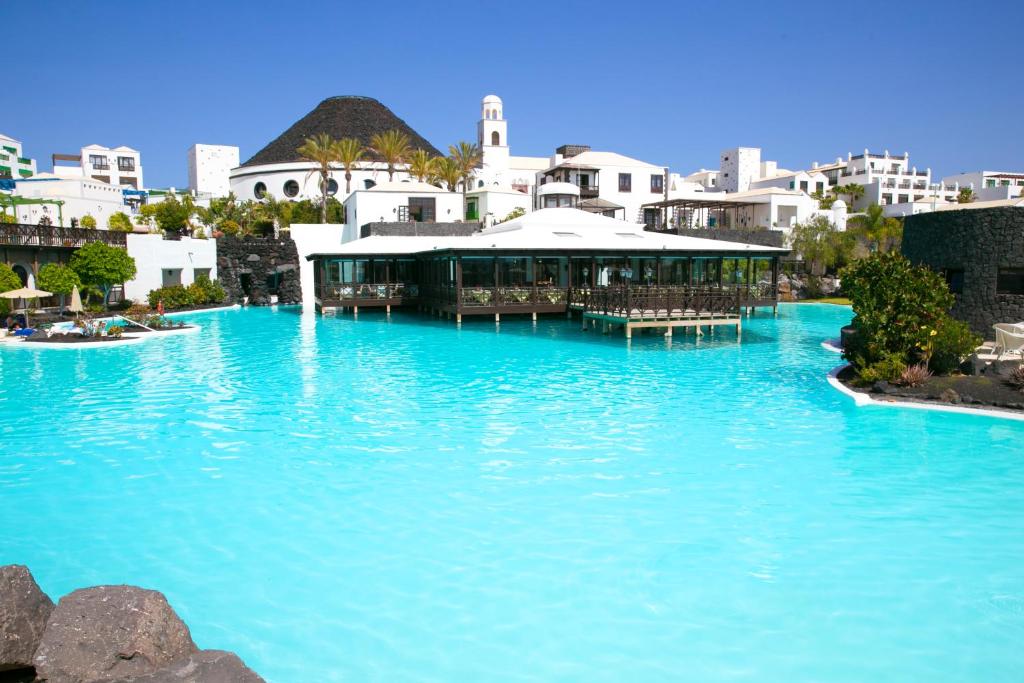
(903, 344)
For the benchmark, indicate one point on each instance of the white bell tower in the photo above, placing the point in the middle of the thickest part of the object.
(492, 137)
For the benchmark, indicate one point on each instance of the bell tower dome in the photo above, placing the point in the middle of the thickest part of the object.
(492, 131)
(492, 137)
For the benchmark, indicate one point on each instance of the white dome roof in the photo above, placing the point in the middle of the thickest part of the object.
(492, 99)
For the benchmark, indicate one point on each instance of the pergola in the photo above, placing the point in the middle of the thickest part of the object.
(721, 205)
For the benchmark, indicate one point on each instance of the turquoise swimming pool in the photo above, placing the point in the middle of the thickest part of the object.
(407, 501)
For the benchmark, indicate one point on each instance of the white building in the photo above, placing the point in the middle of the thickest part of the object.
(13, 164)
(738, 167)
(623, 184)
(120, 166)
(162, 263)
(498, 166)
(209, 168)
(494, 202)
(400, 202)
(705, 178)
(69, 200)
(989, 185)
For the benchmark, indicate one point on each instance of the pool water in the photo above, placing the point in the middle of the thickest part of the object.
(341, 500)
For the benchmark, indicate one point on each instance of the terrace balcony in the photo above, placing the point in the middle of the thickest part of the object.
(52, 237)
(589, 190)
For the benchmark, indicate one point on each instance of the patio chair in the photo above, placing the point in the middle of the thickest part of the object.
(1009, 339)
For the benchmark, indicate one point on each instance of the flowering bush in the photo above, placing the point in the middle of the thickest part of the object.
(902, 310)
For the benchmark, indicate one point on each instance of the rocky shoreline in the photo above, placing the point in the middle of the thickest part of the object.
(103, 634)
(968, 391)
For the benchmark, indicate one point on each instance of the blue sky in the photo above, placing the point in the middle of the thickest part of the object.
(671, 83)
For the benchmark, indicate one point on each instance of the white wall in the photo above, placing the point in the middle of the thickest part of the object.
(81, 196)
(313, 238)
(500, 204)
(274, 176)
(153, 255)
(370, 206)
(209, 168)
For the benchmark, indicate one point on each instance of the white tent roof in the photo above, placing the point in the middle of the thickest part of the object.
(552, 230)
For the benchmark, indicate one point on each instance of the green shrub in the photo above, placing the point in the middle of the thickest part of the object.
(119, 222)
(8, 280)
(229, 227)
(886, 369)
(206, 291)
(896, 307)
(87, 221)
(953, 341)
(174, 296)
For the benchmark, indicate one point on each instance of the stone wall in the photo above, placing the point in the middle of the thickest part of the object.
(413, 228)
(977, 242)
(250, 261)
(764, 238)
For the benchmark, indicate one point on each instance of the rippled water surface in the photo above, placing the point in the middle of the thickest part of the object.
(407, 501)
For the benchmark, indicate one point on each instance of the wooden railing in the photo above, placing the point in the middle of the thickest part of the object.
(367, 291)
(24, 235)
(513, 296)
(630, 302)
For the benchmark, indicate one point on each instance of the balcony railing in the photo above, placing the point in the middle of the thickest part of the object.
(589, 190)
(367, 292)
(23, 235)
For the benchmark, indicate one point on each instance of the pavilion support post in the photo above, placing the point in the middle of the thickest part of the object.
(458, 318)
(497, 318)
(355, 311)
(388, 308)
(535, 316)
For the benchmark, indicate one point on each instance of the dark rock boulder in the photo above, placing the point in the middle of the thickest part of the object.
(108, 633)
(24, 610)
(205, 666)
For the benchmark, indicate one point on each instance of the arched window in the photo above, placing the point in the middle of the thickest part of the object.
(495, 138)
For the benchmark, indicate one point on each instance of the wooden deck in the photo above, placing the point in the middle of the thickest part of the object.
(666, 308)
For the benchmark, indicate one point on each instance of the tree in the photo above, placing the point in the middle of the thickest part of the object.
(322, 150)
(467, 158)
(820, 244)
(59, 279)
(824, 201)
(881, 232)
(146, 215)
(349, 151)
(899, 310)
(513, 214)
(87, 221)
(852, 190)
(120, 222)
(393, 148)
(965, 196)
(448, 171)
(8, 280)
(171, 215)
(421, 165)
(103, 266)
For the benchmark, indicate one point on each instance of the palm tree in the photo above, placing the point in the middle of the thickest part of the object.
(877, 229)
(322, 151)
(965, 195)
(392, 146)
(467, 158)
(349, 151)
(852, 190)
(421, 165)
(448, 171)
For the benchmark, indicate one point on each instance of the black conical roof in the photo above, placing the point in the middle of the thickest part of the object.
(346, 116)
